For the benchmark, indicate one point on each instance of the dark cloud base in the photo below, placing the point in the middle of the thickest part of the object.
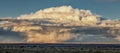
(9, 36)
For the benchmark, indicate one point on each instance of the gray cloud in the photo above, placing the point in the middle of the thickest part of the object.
(11, 37)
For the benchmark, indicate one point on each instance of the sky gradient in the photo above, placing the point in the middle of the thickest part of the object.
(14, 8)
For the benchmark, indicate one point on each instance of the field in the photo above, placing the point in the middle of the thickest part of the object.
(59, 48)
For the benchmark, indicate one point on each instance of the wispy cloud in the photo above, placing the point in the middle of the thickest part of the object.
(107, 0)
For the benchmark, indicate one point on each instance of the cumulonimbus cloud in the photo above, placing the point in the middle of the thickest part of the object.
(62, 24)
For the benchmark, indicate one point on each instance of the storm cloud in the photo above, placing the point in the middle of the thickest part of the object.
(59, 24)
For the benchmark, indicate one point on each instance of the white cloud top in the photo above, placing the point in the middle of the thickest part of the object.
(62, 13)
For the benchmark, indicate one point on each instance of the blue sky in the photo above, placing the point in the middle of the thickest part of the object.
(14, 8)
